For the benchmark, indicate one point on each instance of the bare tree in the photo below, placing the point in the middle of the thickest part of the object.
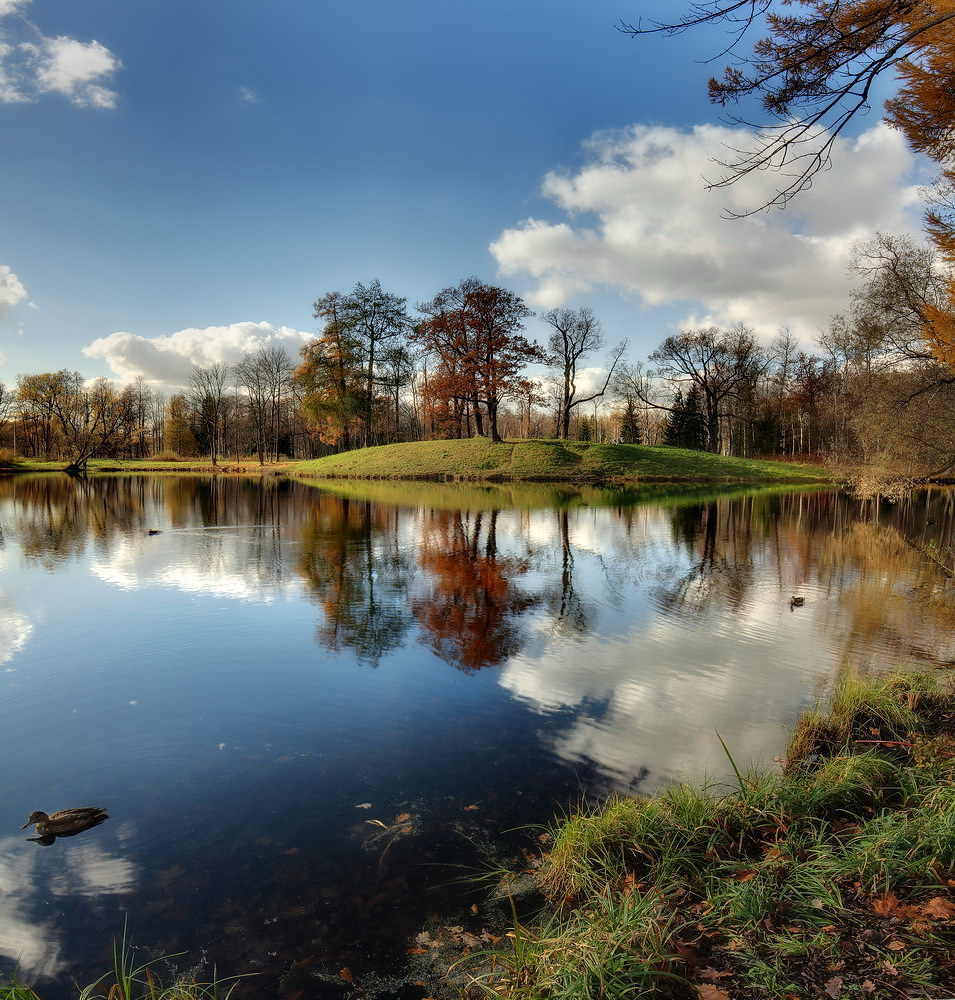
(576, 334)
(209, 402)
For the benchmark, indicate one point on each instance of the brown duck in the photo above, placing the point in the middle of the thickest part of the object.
(66, 822)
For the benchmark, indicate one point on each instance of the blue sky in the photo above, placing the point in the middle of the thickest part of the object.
(182, 180)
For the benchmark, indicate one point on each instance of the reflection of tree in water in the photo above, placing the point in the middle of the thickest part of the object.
(58, 516)
(352, 562)
(471, 613)
(896, 597)
(718, 538)
(572, 612)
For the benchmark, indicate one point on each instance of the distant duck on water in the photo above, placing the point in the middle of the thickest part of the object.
(65, 822)
(796, 602)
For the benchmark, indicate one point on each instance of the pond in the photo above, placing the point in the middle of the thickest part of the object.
(315, 713)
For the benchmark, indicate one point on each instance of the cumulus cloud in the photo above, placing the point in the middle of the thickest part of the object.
(32, 64)
(640, 220)
(169, 359)
(12, 291)
(249, 96)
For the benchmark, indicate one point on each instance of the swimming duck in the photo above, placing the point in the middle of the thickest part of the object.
(797, 602)
(66, 822)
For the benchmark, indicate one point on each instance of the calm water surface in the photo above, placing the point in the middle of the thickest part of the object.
(310, 714)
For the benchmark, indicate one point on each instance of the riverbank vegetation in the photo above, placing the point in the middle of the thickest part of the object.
(478, 459)
(833, 876)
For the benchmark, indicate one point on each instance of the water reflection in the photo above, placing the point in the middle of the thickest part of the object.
(212, 684)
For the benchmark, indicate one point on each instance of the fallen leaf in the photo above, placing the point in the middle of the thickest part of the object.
(363, 805)
(402, 818)
(417, 951)
(471, 808)
(292, 851)
(885, 905)
(474, 908)
(345, 975)
(939, 908)
(868, 986)
(376, 822)
(833, 988)
(712, 993)
(405, 829)
(896, 945)
(745, 874)
(711, 974)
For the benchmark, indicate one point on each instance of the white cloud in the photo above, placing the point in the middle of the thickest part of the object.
(641, 221)
(31, 64)
(170, 359)
(12, 291)
(75, 69)
(249, 95)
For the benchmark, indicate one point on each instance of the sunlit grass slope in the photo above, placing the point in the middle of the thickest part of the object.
(570, 461)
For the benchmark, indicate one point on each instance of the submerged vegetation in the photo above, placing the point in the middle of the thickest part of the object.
(833, 877)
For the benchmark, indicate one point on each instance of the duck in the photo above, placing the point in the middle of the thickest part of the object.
(797, 602)
(66, 822)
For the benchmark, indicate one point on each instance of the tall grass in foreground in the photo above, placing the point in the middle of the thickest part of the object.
(833, 878)
(128, 980)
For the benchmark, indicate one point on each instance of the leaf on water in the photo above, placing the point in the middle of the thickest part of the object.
(471, 808)
(939, 908)
(346, 975)
(474, 907)
(833, 988)
(292, 851)
(406, 829)
(424, 938)
(363, 805)
(376, 822)
(402, 818)
(417, 951)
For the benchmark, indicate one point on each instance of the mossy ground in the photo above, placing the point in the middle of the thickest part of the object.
(832, 878)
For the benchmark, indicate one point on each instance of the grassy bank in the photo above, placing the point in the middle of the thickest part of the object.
(552, 461)
(833, 877)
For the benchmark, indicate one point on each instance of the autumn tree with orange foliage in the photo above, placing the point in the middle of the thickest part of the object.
(473, 333)
(814, 71)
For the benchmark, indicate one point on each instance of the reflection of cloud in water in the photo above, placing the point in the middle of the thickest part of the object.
(83, 870)
(654, 696)
(221, 564)
(31, 945)
(15, 633)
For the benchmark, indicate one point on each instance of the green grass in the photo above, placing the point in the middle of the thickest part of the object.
(839, 866)
(129, 980)
(552, 461)
(477, 459)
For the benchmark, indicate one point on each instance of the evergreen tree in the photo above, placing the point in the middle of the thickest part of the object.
(630, 423)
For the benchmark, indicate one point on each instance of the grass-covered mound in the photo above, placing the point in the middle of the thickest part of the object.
(551, 461)
(832, 878)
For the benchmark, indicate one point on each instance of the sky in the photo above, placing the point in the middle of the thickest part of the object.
(181, 179)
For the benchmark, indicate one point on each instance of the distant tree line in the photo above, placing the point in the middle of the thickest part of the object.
(875, 395)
